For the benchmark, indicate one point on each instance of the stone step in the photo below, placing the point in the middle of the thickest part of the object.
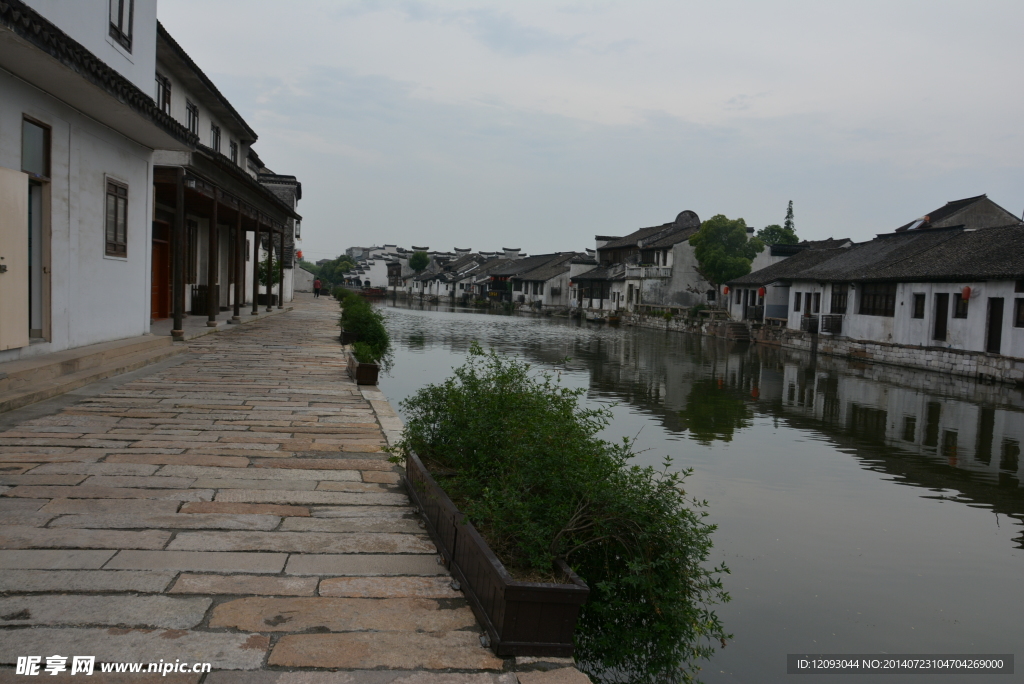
(31, 381)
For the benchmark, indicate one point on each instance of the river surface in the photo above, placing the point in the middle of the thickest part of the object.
(861, 509)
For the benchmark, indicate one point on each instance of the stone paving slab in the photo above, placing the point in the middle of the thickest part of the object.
(303, 542)
(312, 498)
(169, 522)
(389, 587)
(43, 538)
(85, 492)
(363, 564)
(109, 506)
(54, 560)
(263, 474)
(245, 584)
(84, 580)
(342, 615)
(198, 561)
(244, 509)
(124, 611)
(433, 651)
(351, 524)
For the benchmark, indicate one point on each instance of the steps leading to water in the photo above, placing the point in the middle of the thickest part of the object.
(35, 379)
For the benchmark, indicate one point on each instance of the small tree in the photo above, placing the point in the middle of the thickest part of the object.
(722, 249)
(777, 235)
(788, 224)
(419, 261)
(265, 273)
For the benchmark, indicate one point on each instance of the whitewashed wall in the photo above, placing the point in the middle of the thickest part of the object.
(88, 22)
(94, 298)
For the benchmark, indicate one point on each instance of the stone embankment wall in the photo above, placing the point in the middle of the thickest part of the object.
(977, 365)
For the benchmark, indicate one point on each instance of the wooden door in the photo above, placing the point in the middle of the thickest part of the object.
(160, 302)
(14, 270)
(995, 325)
(941, 316)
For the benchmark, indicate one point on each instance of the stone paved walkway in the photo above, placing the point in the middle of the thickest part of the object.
(233, 509)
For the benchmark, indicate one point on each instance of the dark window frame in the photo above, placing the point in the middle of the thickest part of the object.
(960, 305)
(233, 150)
(1018, 285)
(215, 137)
(1018, 318)
(919, 306)
(878, 299)
(840, 298)
(797, 296)
(163, 93)
(119, 30)
(47, 152)
(116, 224)
(816, 308)
(192, 117)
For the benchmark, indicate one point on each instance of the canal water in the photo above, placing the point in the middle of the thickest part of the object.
(860, 508)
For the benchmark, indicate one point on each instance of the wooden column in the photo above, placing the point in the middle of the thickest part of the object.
(280, 276)
(239, 266)
(256, 267)
(212, 264)
(178, 257)
(270, 264)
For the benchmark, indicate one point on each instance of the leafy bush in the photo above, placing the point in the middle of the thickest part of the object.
(520, 457)
(269, 276)
(667, 315)
(360, 318)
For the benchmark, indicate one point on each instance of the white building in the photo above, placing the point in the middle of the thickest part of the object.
(78, 130)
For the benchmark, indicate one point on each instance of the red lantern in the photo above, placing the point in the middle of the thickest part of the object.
(966, 292)
(760, 292)
(725, 290)
(299, 253)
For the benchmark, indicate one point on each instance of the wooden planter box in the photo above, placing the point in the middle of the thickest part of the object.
(349, 337)
(362, 373)
(261, 299)
(521, 618)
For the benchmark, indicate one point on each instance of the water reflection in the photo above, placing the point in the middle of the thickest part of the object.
(798, 457)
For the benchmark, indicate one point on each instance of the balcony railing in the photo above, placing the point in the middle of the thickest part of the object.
(648, 272)
(809, 324)
(832, 324)
(754, 313)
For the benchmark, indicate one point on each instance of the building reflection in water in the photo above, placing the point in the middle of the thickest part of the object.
(956, 437)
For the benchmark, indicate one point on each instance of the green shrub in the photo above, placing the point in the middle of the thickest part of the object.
(667, 315)
(520, 457)
(364, 353)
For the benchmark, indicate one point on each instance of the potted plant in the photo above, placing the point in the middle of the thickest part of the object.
(561, 544)
(363, 366)
(372, 351)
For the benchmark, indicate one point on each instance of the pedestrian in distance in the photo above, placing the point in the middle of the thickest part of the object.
(316, 288)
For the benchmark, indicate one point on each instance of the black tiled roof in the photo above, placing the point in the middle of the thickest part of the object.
(983, 254)
(787, 268)
(547, 271)
(516, 266)
(859, 261)
(602, 273)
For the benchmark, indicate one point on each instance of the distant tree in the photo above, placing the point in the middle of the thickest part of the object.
(722, 249)
(788, 223)
(419, 261)
(777, 235)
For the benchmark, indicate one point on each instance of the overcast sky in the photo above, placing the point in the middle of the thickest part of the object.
(540, 124)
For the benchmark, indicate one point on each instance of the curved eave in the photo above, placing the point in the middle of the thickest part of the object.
(36, 51)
